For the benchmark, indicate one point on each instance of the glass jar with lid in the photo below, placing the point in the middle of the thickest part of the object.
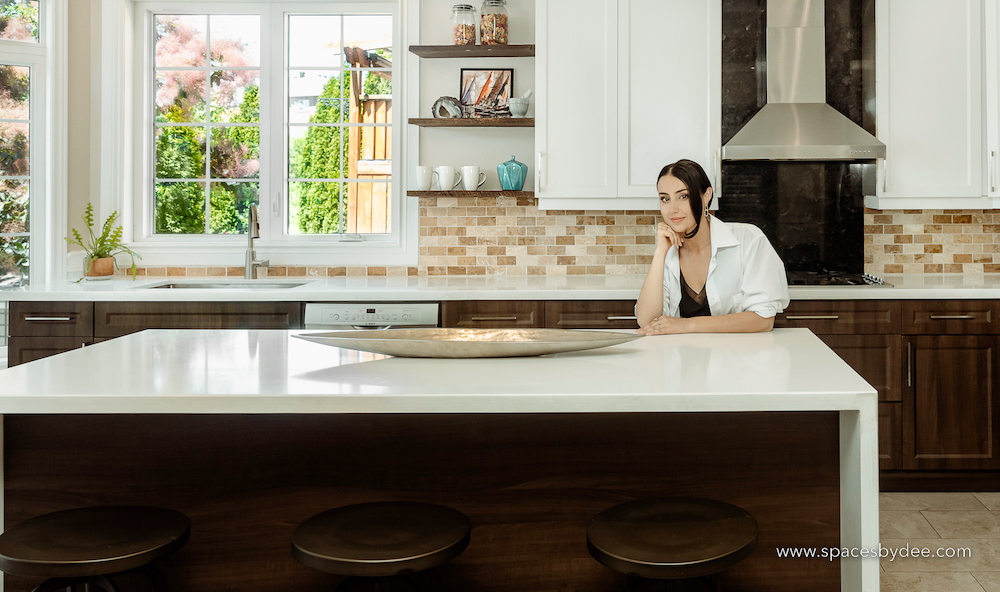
(464, 18)
(493, 23)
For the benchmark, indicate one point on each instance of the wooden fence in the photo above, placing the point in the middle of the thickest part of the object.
(369, 153)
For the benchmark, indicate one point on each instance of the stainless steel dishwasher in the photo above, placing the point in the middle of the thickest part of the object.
(369, 315)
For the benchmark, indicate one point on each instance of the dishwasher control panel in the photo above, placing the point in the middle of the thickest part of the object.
(320, 315)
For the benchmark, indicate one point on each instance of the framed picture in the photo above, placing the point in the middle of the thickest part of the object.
(485, 92)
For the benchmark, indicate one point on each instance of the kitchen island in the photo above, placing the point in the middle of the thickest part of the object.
(251, 432)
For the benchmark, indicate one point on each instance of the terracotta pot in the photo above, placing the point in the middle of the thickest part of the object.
(102, 266)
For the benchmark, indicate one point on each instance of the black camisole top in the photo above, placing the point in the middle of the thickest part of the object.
(693, 304)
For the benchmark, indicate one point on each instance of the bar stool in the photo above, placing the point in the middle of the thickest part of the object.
(685, 539)
(379, 544)
(91, 546)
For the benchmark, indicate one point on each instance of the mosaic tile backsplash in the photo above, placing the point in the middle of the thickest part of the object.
(932, 241)
(511, 236)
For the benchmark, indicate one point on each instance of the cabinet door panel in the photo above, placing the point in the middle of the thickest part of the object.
(576, 110)
(877, 358)
(841, 317)
(670, 106)
(583, 314)
(490, 314)
(950, 413)
(951, 317)
(890, 440)
(26, 349)
(113, 319)
(56, 319)
(934, 141)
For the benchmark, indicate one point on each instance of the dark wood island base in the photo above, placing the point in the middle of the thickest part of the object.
(530, 483)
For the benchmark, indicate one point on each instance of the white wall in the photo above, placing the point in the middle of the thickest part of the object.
(485, 147)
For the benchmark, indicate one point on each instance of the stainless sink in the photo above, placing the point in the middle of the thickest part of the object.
(225, 285)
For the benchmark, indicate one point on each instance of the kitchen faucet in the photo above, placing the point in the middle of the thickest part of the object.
(253, 231)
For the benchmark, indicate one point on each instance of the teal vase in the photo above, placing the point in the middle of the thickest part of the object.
(512, 174)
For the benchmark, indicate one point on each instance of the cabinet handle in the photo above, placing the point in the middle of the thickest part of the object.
(993, 170)
(952, 317)
(513, 318)
(812, 317)
(909, 382)
(63, 319)
(631, 318)
(885, 174)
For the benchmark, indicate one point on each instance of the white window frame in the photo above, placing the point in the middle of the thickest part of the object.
(47, 139)
(126, 144)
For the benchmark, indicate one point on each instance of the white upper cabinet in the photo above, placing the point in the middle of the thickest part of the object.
(992, 17)
(576, 110)
(630, 88)
(670, 81)
(930, 108)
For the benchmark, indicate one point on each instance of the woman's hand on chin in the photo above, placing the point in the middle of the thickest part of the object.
(663, 325)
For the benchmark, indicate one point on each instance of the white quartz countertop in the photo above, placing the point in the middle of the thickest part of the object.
(436, 288)
(247, 371)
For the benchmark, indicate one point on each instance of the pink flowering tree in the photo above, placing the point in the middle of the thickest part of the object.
(182, 97)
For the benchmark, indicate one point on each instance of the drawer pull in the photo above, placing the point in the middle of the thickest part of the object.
(952, 317)
(812, 317)
(512, 318)
(631, 318)
(64, 319)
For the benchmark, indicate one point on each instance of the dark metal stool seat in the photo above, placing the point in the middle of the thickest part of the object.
(672, 538)
(381, 539)
(90, 545)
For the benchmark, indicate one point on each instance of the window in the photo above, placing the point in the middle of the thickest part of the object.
(21, 58)
(284, 106)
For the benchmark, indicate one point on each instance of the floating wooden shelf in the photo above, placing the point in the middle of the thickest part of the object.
(473, 51)
(471, 193)
(475, 122)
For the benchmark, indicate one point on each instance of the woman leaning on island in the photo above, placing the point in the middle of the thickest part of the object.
(707, 276)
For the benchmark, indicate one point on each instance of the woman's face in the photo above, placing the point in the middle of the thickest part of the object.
(675, 204)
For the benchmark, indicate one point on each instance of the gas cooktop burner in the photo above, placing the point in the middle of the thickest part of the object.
(833, 278)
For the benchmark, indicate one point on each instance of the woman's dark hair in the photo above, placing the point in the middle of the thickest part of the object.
(693, 176)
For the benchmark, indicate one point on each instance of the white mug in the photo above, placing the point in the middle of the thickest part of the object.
(472, 179)
(425, 176)
(448, 178)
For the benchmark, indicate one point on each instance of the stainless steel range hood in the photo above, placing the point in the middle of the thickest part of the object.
(796, 123)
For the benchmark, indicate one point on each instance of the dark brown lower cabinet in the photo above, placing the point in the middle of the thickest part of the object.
(878, 359)
(114, 319)
(590, 314)
(950, 411)
(29, 349)
(890, 439)
(492, 314)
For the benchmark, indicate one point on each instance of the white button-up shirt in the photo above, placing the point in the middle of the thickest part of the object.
(744, 274)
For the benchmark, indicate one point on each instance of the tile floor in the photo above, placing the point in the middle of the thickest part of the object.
(941, 520)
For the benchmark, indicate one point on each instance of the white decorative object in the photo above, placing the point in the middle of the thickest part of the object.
(425, 176)
(447, 108)
(472, 178)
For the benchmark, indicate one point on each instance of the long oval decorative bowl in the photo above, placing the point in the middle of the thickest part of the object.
(468, 343)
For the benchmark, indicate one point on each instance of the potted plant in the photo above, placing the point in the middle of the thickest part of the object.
(101, 249)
